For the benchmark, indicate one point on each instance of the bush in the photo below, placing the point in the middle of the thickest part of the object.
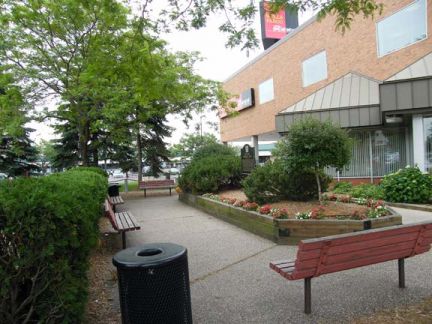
(48, 226)
(342, 187)
(92, 169)
(272, 182)
(367, 190)
(215, 149)
(210, 174)
(407, 185)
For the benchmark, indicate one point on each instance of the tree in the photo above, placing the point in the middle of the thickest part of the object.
(311, 145)
(190, 143)
(51, 46)
(239, 18)
(17, 152)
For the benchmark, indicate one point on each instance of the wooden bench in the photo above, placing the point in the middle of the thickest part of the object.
(157, 184)
(335, 253)
(115, 200)
(122, 222)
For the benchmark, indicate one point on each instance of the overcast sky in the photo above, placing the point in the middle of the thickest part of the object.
(218, 64)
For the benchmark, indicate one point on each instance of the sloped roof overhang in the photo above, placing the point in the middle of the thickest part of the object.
(350, 101)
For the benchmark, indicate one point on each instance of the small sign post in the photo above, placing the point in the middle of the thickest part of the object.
(248, 162)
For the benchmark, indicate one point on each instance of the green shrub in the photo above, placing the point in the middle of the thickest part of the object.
(214, 149)
(407, 185)
(342, 187)
(48, 226)
(367, 190)
(272, 182)
(92, 169)
(262, 184)
(210, 174)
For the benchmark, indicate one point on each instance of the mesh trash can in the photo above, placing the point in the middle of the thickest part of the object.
(154, 284)
(113, 189)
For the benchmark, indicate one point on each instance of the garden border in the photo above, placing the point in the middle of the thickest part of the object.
(285, 231)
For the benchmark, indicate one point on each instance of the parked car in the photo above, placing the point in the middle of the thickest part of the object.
(118, 174)
(174, 171)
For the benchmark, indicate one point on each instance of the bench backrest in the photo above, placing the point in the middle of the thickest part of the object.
(342, 252)
(156, 183)
(109, 212)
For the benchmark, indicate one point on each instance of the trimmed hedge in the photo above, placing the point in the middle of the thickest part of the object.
(93, 169)
(48, 226)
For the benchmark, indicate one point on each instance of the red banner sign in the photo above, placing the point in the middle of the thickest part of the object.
(275, 25)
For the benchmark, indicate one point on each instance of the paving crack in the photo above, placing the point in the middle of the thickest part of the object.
(231, 265)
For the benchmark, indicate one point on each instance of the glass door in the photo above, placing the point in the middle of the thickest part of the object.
(427, 131)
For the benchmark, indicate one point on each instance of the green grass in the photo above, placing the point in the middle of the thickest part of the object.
(132, 186)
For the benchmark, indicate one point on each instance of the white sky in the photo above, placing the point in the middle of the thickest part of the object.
(218, 64)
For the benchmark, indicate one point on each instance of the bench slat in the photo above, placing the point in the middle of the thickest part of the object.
(119, 221)
(116, 200)
(155, 184)
(364, 253)
(342, 239)
(128, 220)
(368, 261)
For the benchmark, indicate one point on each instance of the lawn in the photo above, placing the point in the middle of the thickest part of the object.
(132, 186)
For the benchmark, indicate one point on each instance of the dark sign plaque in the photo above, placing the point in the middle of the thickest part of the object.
(247, 99)
(248, 158)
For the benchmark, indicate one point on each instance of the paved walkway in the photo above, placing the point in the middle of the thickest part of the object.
(232, 283)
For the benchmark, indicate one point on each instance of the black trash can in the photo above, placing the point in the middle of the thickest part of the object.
(113, 189)
(154, 284)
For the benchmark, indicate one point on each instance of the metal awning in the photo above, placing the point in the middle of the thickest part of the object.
(420, 69)
(406, 96)
(351, 101)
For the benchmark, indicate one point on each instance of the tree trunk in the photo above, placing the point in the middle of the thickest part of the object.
(139, 156)
(318, 184)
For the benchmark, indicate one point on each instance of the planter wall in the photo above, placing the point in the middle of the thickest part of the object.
(285, 231)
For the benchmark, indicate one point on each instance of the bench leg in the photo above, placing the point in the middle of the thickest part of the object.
(401, 268)
(307, 296)
(123, 240)
(145, 193)
(170, 191)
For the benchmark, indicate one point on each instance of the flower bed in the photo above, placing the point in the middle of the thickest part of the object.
(278, 225)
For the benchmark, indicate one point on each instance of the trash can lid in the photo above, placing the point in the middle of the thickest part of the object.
(148, 255)
(113, 184)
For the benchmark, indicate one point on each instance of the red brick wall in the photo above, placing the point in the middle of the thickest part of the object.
(354, 51)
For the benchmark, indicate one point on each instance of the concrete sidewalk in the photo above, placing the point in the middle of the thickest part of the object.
(231, 281)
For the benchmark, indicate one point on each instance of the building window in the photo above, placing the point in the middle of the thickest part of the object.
(403, 28)
(314, 69)
(266, 91)
(375, 153)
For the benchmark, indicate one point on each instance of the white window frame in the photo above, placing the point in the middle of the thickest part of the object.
(303, 70)
(379, 55)
(260, 92)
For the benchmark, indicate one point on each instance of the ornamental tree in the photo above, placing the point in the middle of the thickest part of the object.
(314, 145)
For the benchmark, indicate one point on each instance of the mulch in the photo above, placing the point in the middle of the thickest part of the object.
(331, 208)
(102, 277)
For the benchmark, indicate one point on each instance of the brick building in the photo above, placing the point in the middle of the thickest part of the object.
(376, 80)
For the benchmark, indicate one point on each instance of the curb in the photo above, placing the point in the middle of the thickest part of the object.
(427, 208)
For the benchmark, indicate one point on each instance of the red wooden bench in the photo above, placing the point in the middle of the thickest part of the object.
(115, 200)
(335, 253)
(157, 184)
(122, 222)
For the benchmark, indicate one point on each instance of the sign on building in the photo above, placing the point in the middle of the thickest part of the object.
(276, 26)
(247, 99)
(247, 158)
